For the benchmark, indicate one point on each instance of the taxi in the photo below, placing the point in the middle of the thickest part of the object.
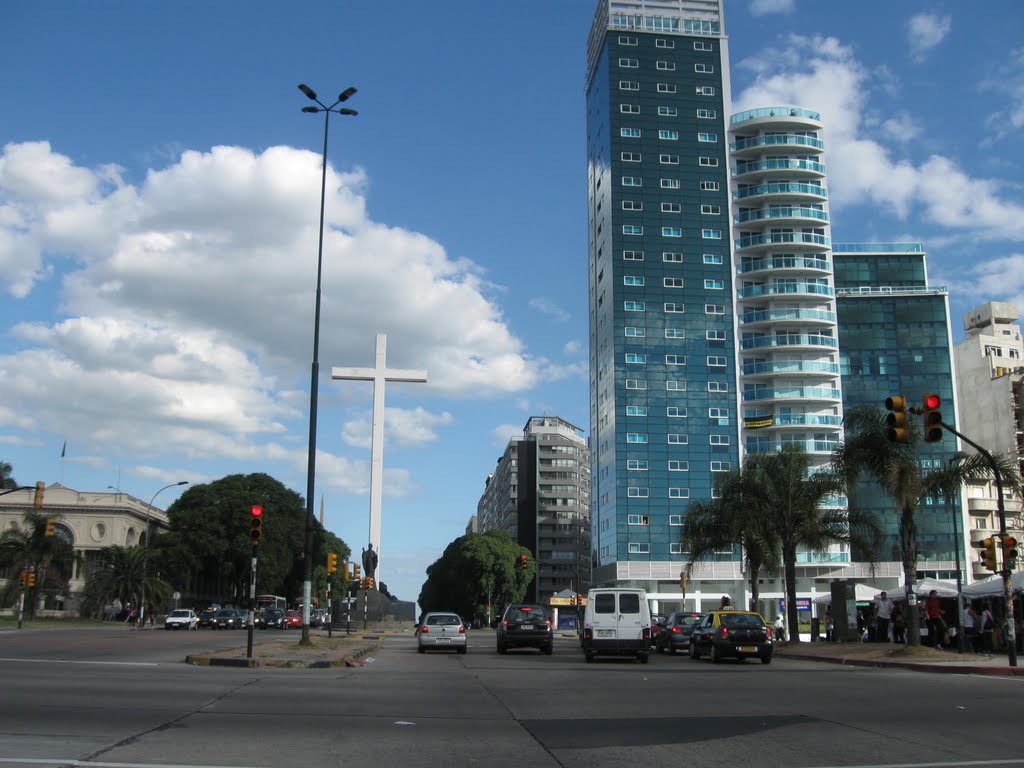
(732, 635)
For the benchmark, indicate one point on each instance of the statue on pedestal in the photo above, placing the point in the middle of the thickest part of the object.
(369, 562)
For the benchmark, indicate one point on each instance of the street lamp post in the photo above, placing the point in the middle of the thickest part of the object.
(315, 372)
(145, 552)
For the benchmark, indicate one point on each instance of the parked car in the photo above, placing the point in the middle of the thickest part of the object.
(293, 620)
(525, 625)
(732, 634)
(675, 634)
(657, 624)
(441, 631)
(229, 618)
(321, 616)
(206, 617)
(182, 618)
(270, 618)
(617, 622)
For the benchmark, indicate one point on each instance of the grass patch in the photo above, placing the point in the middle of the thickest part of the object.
(9, 622)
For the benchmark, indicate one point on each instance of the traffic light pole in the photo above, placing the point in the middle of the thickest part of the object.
(1011, 624)
(252, 603)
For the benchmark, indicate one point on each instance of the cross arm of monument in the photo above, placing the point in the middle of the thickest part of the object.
(372, 374)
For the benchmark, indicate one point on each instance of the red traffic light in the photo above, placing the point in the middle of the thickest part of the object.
(257, 511)
(932, 401)
(1009, 542)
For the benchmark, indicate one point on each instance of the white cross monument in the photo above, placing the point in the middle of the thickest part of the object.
(379, 374)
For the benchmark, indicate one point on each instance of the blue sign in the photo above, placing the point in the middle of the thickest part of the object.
(802, 604)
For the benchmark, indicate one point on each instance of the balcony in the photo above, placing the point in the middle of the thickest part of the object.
(783, 214)
(781, 190)
(790, 367)
(789, 341)
(789, 238)
(775, 115)
(794, 394)
(780, 164)
(795, 263)
(811, 446)
(789, 289)
(777, 316)
(754, 143)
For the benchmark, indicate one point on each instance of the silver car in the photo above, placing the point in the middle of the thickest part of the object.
(182, 618)
(441, 631)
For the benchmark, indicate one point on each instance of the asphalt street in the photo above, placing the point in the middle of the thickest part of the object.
(106, 698)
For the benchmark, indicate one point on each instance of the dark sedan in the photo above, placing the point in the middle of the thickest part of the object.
(525, 625)
(206, 617)
(229, 618)
(731, 634)
(271, 618)
(675, 634)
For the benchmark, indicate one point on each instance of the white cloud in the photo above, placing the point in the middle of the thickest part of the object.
(1000, 279)
(402, 427)
(764, 7)
(1008, 82)
(550, 308)
(573, 347)
(925, 31)
(505, 432)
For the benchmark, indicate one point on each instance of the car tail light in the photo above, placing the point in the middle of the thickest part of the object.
(723, 632)
(768, 631)
(462, 629)
(647, 633)
(424, 629)
(675, 629)
(504, 623)
(548, 622)
(588, 633)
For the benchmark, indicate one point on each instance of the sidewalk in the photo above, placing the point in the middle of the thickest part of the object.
(284, 651)
(918, 658)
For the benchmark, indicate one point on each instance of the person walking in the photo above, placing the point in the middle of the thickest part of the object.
(988, 625)
(933, 618)
(972, 621)
(830, 625)
(883, 616)
(899, 627)
(780, 629)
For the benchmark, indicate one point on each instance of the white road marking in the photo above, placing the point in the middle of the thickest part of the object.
(72, 661)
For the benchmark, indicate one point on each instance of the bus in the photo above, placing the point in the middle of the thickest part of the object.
(270, 601)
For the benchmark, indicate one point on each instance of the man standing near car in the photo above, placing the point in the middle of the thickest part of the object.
(883, 616)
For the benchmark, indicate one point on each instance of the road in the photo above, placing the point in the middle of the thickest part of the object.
(106, 698)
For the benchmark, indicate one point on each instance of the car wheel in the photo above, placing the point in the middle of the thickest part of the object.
(659, 647)
(590, 658)
(694, 653)
(421, 649)
(766, 659)
(549, 649)
(716, 655)
(671, 650)
(462, 650)
(502, 649)
(644, 658)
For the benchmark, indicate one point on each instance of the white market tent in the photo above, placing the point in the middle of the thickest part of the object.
(993, 586)
(925, 586)
(864, 593)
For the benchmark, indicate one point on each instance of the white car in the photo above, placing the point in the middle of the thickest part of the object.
(182, 618)
(441, 630)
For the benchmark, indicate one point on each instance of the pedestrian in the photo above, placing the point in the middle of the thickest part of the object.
(133, 616)
(971, 623)
(780, 629)
(862, 626)
(726, 603)
(899, 627)
(830, 625)
(883, 616)
(988, 625)
(933, 618)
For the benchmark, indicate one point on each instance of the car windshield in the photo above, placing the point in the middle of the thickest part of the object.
(443, 620)
(742, 621)
(225, 612)
(528, 614)
(180, 614)
(687, 621)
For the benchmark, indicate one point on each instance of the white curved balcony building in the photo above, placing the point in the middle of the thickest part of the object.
(785, 293)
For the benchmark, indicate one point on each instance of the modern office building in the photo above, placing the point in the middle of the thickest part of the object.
(540, 493)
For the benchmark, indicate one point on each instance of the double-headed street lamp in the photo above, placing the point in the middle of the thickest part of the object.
(315, 373)
(145, 550)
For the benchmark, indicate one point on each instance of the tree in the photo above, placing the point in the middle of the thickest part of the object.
(868, 453)
(26, 546)
(476, 574)
(122, 574)
(7, 481)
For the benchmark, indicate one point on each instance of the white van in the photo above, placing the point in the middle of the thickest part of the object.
(617, 622)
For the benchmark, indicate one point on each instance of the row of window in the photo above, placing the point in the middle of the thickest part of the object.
(673, 257)
(636, 332)
(642, 548)
(634, 109)
(675, 438)
(667, 135)
(666, 66)
(634, 85)
(667, 282)
(674, 307)
(673, 411)
(675, 465)
(677, 386)
(638, 181)
(636, 358)
(637, 157)
(659, 42)
(706, 234)
(706, 210)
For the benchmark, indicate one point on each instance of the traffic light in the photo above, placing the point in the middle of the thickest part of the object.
(31, 579)
(932, 419)
(897, 419)
(51, 526)
(988, 553)
(332, 562)
(684, 580)
(1009, 553)
(524, 562)
(368, 583)
(37, 500)
(256, 525)
(355, 571)
(21, 578)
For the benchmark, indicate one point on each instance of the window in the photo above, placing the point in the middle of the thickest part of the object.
(666, 66)
(636, 549)
(707, 234)
(714, 285)
(668, 135)
(675, 412)
(662, 43)
(632, 255)
(668, 159)
(675, 438)
(718, 440)
(674, 465)
(635, 157)
(638, 520)
(711, 210)
(637, 465)
(705, 68)
(634, 306)
(679, 493)
(632, 181)
(675, 519)
(632, 229)
(716, 493)
(675, 386)
(707, 162)
(672, 256)
(630, 133)
(675, 548)
(675, 333)
(636, 437)
(705, 90)
(668, 111)
(675, 359)
(635, 359)
(629, 63)
(627, 40)
(666, 88)
(671, 208)
(718, 413)
(709, 186)
(670, 183)
(673, 307)
(634, 332)
(716, 361)
(707, 138)
(714, 309)
(703, 45)
(635, 492)
(707, 114)
(629, 85)
(629, 109)
(718, 386)
(713, 258)
(721, 466)
(672, 282)
(632, 205)
(636, 410)
(715, 336)
(671, 232)
(636, 384)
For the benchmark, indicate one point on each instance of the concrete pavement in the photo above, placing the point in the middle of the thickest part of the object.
(919, 658)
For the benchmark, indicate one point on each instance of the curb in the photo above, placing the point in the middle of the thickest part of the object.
(949, 669)
(230, 661)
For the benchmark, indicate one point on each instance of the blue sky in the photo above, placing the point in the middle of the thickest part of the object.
(159, 200)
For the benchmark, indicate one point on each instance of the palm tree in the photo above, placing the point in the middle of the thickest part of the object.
(27, 546)
(7, 482)
(896, 468)
(119, 575)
